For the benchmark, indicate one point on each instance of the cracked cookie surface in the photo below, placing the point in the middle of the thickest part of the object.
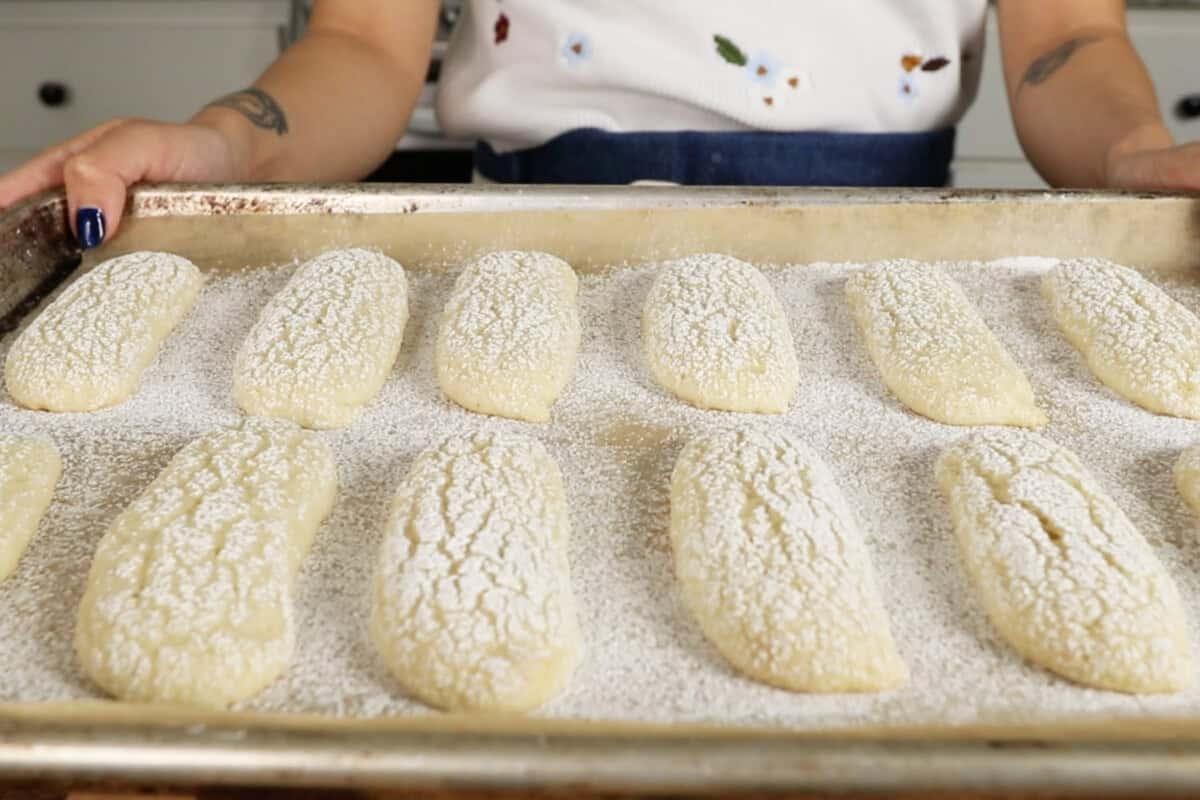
(89, 347)
(715, 335)
(509, 335)
(1061, 571)
(472, 606)
(324, 345)
(1135, 338)
(774, 568)
(189, 596)
(934, 351)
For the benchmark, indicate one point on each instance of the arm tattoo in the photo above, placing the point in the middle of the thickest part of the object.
(260, 108)
(1046, 65)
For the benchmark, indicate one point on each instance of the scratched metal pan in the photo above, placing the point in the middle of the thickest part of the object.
(593, 228)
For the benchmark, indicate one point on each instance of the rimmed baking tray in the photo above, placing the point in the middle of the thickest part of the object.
(429, 226)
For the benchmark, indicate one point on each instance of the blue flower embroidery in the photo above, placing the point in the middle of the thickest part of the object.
(763, 69)
(576, 50)
(771, 83)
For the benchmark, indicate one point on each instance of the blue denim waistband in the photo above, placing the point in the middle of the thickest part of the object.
(755, 158)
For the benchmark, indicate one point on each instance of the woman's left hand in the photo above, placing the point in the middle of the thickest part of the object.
(1152, 162)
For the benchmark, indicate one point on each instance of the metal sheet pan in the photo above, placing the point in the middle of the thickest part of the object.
(429, 226)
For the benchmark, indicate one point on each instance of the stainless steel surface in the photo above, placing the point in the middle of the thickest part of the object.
(125, 743)
(594, 226)
(605, 762)
(202, 199)
(36, 249)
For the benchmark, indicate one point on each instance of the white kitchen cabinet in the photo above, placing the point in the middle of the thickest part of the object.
(988, 154)
(140, 58)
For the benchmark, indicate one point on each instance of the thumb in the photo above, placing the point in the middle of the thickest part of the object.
(98, 177)
(95, 199)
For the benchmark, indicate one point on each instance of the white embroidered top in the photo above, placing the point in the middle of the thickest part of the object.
(520, 72)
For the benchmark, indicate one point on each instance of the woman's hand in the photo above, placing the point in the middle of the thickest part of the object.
(330, 108)
(1155, 166)
(98, 166)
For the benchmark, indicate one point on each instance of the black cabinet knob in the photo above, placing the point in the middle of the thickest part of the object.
(54, 94)
(1188, 107)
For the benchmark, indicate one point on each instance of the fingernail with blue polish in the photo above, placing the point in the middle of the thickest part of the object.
(89, 226)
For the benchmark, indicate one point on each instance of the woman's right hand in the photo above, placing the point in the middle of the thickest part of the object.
(98, 166)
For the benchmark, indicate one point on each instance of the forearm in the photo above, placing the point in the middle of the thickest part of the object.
(1080, 96)
(331, 107)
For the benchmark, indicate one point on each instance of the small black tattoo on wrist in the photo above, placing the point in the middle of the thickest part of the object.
(260, 108)
(1046, 65)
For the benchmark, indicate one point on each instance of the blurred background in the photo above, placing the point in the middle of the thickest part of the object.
(66, 65)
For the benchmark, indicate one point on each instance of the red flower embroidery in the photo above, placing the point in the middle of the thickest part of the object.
(501, 28)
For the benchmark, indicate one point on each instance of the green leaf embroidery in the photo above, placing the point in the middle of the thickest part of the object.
(729, 51)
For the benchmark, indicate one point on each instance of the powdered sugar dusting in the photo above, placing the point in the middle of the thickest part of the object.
(89, 347)
(770, 560)
(1136, 339)
(473, 607)
(616, 437)
(29, 469)
(715, 335)
(933, 349)
(509, 334)
(189, 598)
(1060, 568)
(325, 344)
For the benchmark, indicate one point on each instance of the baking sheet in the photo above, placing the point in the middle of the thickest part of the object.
(1135, 469)
(615, 436)
(596, 227)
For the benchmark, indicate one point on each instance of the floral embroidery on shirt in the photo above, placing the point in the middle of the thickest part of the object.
(771, 83)
(763, 68)
(911, 65)
(576, 50)
(729, 51)
(909, 62)
(501, 28)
